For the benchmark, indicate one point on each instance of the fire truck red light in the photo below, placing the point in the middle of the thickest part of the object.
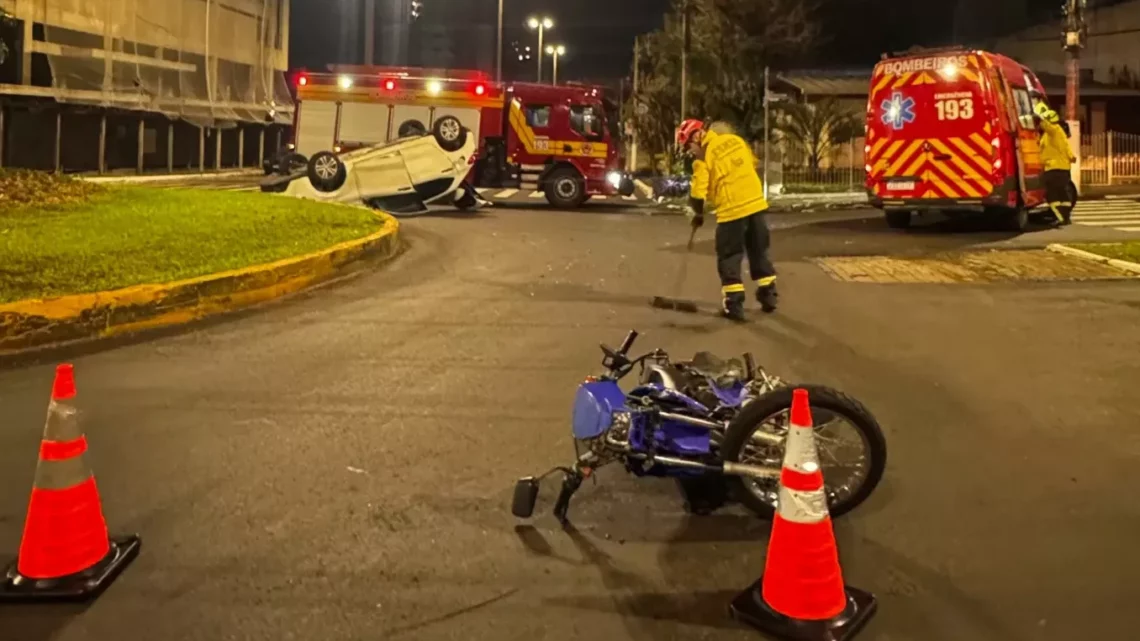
(389, 84)
(480, 90)
(303, 81)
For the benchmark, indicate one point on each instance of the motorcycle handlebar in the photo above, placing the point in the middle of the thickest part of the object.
(628, 342)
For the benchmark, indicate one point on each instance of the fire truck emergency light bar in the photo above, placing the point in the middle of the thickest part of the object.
(393, 78)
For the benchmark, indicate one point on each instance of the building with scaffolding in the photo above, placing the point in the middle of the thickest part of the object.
(142, 85)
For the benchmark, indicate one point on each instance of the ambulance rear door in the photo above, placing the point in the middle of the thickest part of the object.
(930, 136)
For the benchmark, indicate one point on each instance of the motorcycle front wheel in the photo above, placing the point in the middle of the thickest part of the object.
(849, 478)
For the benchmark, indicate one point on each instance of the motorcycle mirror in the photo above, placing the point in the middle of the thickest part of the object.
(526, 496)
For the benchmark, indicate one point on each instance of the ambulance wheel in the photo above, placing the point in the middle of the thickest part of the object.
(326, 171)
(565, 188)
(411, 128)
(898, 218)
(449, 133)
(1016, 219)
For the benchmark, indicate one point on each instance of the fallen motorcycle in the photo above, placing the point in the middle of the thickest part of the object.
(717, 426)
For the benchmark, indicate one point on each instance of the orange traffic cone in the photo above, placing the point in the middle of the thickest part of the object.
(65, 552)
(801, 595)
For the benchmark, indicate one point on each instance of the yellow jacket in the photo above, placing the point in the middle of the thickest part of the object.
(1055, 150)
(726, 179)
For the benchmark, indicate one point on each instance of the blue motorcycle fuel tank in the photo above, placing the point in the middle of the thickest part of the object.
(594, 406)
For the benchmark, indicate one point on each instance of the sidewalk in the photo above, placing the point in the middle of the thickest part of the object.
(155, 178)
(1094, 192)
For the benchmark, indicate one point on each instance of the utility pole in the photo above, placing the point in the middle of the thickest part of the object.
(1076, 31)
(499, 50)
(767, 129)
(636, 101)
(369, 32)
(686, 43)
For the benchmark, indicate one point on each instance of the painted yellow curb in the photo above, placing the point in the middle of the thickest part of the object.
(34, 323)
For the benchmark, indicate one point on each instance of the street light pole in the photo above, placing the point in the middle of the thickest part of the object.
(636, 102)
(556, 52)
(369, 31)
(499, 50)
(1075, 34)
(541, 24)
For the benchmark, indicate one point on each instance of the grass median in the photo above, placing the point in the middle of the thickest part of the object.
(1129, 251)
(95, 238)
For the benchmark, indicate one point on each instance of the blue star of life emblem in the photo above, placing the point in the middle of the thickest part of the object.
(898, 111)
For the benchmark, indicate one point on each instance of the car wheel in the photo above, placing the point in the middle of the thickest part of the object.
(291, 163)
(326, 171)
(411, 128)
(565, 189)
(449, 133)
(898, 219)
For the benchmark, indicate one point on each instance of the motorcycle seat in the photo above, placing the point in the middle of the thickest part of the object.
(724, 372)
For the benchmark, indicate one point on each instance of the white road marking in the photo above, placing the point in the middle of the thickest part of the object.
(536, 194)
(506, 193)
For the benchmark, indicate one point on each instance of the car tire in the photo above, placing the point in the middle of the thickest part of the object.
(326, 171)
(411, 128)
(449, 133)
(898, 219)
(565, 188)
(291, 163)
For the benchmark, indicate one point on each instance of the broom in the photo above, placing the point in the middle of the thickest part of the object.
(674, 303)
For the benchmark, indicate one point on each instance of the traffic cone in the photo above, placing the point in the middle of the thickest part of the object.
(65, 553)
(801, 595)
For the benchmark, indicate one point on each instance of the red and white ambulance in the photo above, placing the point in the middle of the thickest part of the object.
(953, 130)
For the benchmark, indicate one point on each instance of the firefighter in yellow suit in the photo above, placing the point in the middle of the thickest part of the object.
(725, 179)
(1057, 156)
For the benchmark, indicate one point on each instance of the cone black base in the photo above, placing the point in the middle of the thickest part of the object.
(749, 608)
(76, 587)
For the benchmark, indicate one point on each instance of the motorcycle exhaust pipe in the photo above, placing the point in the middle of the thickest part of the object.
(769, 438)
(728, 467)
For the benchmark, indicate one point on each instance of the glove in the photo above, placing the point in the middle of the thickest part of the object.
(695, 219)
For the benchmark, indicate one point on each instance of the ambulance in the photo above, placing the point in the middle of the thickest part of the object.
(952, 130)
(562, 140)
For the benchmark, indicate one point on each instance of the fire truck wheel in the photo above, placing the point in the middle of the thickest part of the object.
(898, 218)
(1016, 219)
(565, 189)
(326, 171)
(411, 128)
(449, 133)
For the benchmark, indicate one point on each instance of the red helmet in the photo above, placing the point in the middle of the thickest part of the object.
(686, 130)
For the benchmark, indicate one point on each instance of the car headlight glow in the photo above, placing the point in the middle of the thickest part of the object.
(614, 179)
(345, 82)
(434, 87)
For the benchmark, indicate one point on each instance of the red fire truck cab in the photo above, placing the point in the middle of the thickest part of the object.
(563, 141)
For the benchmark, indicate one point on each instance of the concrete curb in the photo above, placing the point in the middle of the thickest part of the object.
(29, 325)
(171, 177)
(1127, 266)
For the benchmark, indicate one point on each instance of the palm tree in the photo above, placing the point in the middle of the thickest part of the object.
(817, 128)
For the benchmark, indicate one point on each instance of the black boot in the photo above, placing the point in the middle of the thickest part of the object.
(733, 307)
(767, 296)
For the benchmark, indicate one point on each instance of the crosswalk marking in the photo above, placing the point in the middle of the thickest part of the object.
(1122, 215)
(506, 193)
(537, 194)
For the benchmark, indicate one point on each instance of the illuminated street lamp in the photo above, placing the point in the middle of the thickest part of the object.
(556, 51)
(541, 24)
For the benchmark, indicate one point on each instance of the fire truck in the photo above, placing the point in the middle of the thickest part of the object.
(563, 141)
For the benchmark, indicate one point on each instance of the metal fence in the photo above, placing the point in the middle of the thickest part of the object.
(839, 170)
(1110, 158)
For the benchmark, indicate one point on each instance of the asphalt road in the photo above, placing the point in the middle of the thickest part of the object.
(339, 466)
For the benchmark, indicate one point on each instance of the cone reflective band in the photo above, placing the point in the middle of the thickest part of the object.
(801, 595)
(65, 551)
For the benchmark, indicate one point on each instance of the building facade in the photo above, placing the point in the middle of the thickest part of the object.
(181, 83)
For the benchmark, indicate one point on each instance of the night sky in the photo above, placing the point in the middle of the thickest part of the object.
(599, 33)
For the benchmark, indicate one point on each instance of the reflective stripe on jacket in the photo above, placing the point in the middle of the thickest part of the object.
(727, 180)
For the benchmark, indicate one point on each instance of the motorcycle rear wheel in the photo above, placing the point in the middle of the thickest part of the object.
(779, 402)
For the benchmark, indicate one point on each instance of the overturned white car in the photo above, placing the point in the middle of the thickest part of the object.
(401, 176)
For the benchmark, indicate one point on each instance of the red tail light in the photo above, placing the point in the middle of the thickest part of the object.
(390, 85)
(302, 80)
(480, 89)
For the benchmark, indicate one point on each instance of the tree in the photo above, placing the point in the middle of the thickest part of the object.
(731, 43)
(817, 128)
